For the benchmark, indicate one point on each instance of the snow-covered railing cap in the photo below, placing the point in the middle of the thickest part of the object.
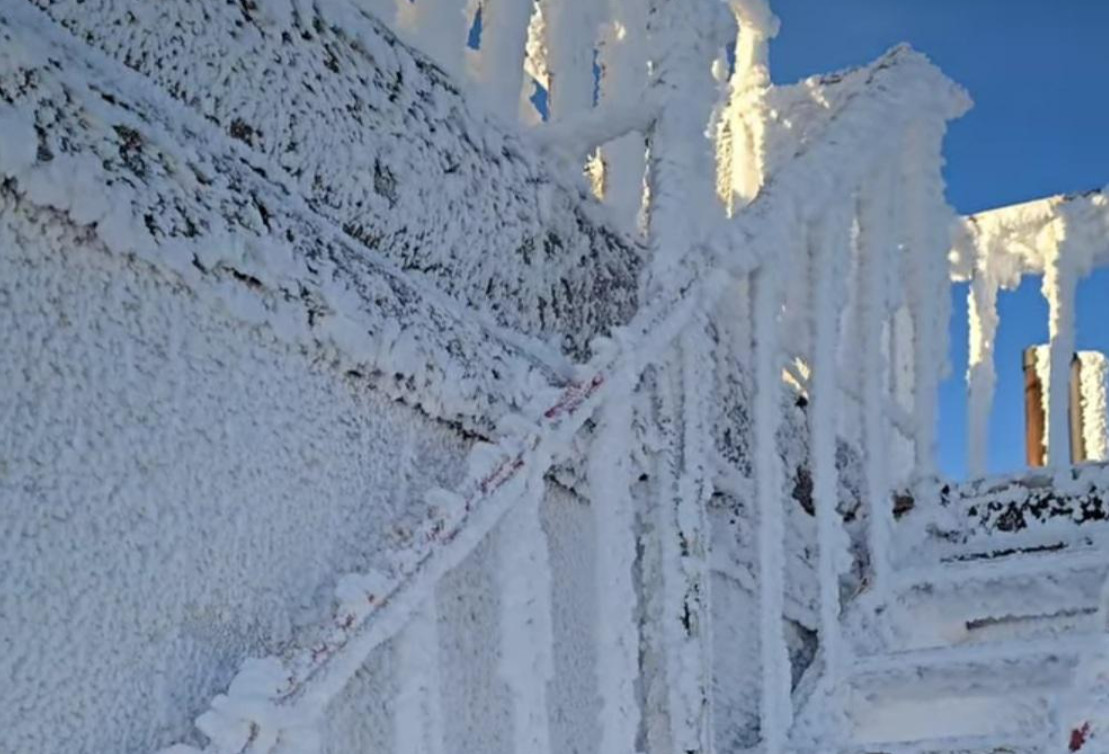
(1021, 235)
(900, 89)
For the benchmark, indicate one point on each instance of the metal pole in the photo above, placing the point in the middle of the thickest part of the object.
(1034, 451)
(1077, 426)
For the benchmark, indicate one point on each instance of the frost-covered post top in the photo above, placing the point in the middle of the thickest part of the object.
(757, 26)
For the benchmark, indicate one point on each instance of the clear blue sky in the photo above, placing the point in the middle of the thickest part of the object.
(1038, 71)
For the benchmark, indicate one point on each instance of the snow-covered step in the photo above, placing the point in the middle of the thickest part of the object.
(927, 700)
(1014, 565)
(1021, 595)
(1042, 664)
(987, 744)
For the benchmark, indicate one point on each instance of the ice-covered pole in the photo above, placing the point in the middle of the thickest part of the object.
(570, 30)
(1059, 287)
(681, 166)
(775, 708)
(876, 224)
(623, 60)
(742, 121)
(439, 29)
(1095, 413)
(757, 26)
(832, 240)
(928, 220)
(981, 374)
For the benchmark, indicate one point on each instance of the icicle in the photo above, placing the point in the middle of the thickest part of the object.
(500, 60)
(419, 718)
(610, 478)
(832, 244)
(776, 707)
(981, 374)
(1059, 287)
(875, 225)
(683, 493)
(527, 663)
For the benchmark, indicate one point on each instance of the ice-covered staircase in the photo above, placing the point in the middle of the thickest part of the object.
(975, 643)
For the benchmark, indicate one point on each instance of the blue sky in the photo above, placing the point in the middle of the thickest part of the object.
(1037, 71)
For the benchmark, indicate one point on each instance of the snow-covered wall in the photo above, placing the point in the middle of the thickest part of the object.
(232, 366)
(177, 491)
(381, 142)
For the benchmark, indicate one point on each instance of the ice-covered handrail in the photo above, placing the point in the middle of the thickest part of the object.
(903, 88)
(1060, 237)
(374, 608)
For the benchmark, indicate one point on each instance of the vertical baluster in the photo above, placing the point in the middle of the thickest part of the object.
(875, 222)
(569, 35)
(1059, 288)
(500, 61)
(439, 28)
(418, 727)
(623, 60)
(981, 375)
(928, 282)
(681, 162)
(776, 707)
(683, 493)
(610, 478)
(1095, 405)
(527, 662)
(832, 240)
(742, 160)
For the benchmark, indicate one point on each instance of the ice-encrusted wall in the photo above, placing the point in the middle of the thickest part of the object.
(177, 491)
(382, 143)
